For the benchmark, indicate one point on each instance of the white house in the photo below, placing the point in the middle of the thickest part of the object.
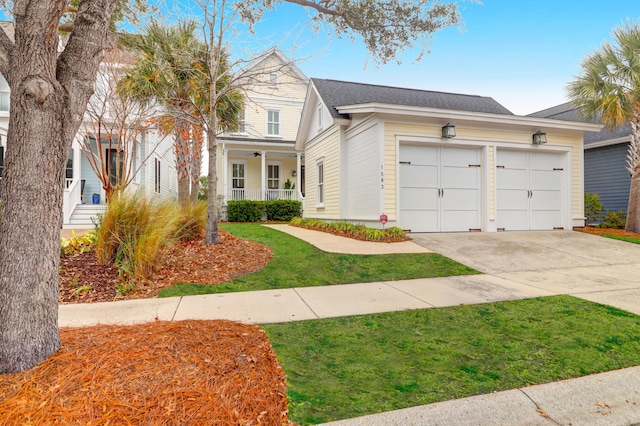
(260, 161)
(437, 162)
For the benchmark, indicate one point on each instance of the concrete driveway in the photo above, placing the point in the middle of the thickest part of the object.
(599, 269)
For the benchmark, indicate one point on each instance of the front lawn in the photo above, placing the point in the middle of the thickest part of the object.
(296, 263)
(352, 366)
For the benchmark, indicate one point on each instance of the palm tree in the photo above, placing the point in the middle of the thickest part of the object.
(608, 90)
(172, 70)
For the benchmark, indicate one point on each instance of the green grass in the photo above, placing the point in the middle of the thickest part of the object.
(627, 239)
(296, 263)
(352, 366)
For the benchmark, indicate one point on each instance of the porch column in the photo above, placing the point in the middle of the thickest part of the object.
(298, 174)
(263, 173)
(225, 173)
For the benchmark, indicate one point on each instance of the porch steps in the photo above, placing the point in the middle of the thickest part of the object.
(82, 216)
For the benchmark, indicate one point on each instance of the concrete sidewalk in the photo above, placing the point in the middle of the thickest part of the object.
(597, 270)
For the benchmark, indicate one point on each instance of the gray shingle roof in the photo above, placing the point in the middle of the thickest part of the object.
(568, 111)
(336, 93)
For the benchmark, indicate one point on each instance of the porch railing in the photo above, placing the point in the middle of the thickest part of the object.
(72, 197)
(258, 194)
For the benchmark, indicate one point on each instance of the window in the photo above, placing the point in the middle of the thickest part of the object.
(273, 122)
(242, 121)
(237, 175)
(4, 94)
(273, 176)
(320, 194)
(69, 170)
(156, 174)
(319, 113)
(273, 79)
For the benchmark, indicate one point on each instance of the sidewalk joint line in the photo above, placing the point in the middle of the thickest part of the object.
(407, 293)
(295, 290)
(176, 310)
(541, 411)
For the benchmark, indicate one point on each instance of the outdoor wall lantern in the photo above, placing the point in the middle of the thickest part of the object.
(448, 131)
(294, 173)
(539, 137)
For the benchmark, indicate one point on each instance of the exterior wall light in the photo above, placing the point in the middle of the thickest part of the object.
(448, 131)
(539, 137)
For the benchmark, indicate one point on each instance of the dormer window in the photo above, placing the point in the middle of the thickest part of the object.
(273, 79)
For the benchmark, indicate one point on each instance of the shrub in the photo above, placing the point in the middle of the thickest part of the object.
(283, 210)
(77, 245)
(360, 232)
(614, 220)
(245, 211)
(592, 208)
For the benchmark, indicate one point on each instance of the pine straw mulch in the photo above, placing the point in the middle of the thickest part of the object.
(83, 280)
(607, 231)
(160, 373)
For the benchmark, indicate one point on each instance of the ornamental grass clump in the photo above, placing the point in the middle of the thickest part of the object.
(134, 231)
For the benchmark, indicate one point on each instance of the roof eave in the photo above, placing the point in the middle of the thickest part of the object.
(451, 115)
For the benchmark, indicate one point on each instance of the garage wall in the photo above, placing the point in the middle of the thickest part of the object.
(363, 173)
(329, 150)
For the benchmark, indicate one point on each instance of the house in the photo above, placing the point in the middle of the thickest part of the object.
(259, 161)
(152, 156)
(437, 162)
(605, 159)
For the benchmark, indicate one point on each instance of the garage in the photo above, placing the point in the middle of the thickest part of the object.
(439, 188)
(529, 188)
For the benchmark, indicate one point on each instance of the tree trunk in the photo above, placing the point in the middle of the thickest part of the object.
(633, 163)
(211, 234)
(182, 155)
(49, 92)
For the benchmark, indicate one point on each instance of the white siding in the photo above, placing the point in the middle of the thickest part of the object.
(363, 174)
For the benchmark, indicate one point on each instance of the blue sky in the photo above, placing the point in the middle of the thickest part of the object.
(520, 53)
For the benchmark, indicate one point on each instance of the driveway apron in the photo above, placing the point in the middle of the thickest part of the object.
(599, 269)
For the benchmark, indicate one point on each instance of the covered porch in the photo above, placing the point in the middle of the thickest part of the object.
(261, 174)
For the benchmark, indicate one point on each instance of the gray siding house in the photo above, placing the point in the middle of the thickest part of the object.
(605, 159)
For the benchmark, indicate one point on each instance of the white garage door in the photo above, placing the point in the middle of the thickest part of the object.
(529, 190)
(439, 188)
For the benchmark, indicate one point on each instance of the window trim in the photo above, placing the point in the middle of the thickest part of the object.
(320, 183)
(242, 163)
(273, 79)
(277, 164)
(319, 113)
(157, 175)
(278, 123)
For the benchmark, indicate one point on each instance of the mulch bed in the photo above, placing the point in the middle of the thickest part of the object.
(160, 373)
(608, 231)
(83, 280)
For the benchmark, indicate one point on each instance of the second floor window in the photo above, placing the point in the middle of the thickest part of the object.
(273, 122)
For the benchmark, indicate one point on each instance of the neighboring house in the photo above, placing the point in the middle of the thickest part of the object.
(153, 158)
(372, 150)
(257, 161)
(605, 159)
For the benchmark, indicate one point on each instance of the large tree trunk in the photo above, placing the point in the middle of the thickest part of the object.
(182, 157)
(633, 166)
(48, 96)
(196, 162)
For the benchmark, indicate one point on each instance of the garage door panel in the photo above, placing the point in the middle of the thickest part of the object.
(546, 220)
(515, 199)
(512, 160)
(545, 161)
(460, 157)
(419, 176)
(420, 221)
(513, 220)
(419, 198)
(419, 155)
(546, 180)
(546, 200)
(459, 221)
(460, 199)
(512, 179)
(460, 177)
